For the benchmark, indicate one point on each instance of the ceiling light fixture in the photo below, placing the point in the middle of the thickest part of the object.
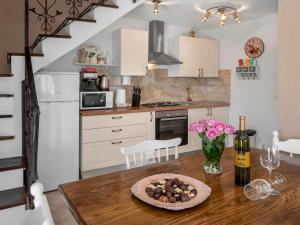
(222, 12)
(156, 6)
(204, 18)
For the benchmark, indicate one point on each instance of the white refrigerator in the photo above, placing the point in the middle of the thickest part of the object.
(58, 147)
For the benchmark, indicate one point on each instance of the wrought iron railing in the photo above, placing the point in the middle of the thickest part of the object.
(47, 12)
(30, 112)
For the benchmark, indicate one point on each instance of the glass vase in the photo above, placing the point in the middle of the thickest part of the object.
(213, 151)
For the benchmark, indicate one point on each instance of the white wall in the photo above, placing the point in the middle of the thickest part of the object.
(103, 40)
(257, 99)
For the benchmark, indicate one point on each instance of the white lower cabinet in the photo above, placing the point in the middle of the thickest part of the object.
(103, 136)
(107, 153)
(219, 113)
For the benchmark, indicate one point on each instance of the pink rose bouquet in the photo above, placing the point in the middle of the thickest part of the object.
(210, 129)
(213, 134)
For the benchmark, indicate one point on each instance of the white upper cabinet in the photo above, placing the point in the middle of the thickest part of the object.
(130, 52)
(209, 57)
(199, 56)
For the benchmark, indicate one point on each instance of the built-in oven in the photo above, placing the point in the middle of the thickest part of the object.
(96, 100)
(172, 124)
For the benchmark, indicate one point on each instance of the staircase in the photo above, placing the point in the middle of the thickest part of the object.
(71, 33)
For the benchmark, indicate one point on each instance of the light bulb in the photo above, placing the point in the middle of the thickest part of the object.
(204, 18)
(222, 23)
(236, 17)
(223, 16)
(155, 10)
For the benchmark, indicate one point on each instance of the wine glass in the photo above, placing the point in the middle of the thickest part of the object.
(270, 159)
(257, 189)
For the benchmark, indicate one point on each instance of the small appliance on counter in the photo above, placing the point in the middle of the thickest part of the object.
(88, 80)
(90, 96)
(136, 97)
(121, 98)
(103, 83)
(96, 100)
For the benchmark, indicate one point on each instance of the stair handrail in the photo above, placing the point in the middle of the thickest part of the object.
(30, 124)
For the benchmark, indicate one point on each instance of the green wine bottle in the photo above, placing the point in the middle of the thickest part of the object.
(242, 155)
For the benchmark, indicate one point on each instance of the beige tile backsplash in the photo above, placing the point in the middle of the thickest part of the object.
(157, 86)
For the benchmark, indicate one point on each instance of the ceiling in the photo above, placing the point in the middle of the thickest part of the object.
(188, 13)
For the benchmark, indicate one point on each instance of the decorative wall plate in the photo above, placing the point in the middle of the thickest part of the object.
(203, 191)
(254, 47)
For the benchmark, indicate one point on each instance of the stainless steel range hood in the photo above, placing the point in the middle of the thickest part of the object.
(156, 45)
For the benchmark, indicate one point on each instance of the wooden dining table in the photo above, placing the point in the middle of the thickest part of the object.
(107, 199)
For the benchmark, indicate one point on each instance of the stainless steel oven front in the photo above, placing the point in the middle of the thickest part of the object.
(172, 124)
(96, 100)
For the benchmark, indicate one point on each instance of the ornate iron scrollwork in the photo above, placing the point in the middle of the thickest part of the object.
(74, 6)
(45, 15)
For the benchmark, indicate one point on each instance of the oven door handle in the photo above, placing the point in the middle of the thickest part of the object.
(174, 118)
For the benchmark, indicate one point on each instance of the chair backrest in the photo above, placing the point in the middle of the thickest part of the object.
(145, 152)
(41, 215)
(291, 146)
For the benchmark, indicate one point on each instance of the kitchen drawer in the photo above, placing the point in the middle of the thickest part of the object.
(112, 133)
(106, 153)
(116, 120)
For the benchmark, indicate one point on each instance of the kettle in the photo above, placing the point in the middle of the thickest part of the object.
(103, 84)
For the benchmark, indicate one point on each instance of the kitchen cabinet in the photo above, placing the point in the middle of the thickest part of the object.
(219, 113)
(194, 142)
(199, 57)
(151, 126)
(103, 136)
(130, 52)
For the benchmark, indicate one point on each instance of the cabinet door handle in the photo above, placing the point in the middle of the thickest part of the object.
(211, 112)
(202, 72)
(151, 117)
(199, 73)
(119, 130)
(116, 143)
(207, 112)
(147, 70)
(117, 117)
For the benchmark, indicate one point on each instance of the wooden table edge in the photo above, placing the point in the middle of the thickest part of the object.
(71, 207)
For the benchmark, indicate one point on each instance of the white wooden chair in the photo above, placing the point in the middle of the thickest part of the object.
(147, 150)
(291, 146)
(41, 215)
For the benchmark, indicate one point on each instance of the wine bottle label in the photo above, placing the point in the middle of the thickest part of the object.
(242, 160)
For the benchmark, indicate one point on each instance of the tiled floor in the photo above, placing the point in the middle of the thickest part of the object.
(60, 213)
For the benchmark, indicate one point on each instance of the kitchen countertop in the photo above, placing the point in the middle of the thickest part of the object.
(121, 110)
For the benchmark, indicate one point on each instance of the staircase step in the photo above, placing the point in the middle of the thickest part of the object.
(6, 75)
(6, 95)
(108, 5)
(12, 198)
(55, 36)
(12, 163)
(5, 138)
(10, 54)
(5, 116)
(69, 20)
(81, 20)
(94, 5)
(41, 37)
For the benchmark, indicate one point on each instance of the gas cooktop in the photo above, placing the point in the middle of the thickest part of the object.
(162, 104)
